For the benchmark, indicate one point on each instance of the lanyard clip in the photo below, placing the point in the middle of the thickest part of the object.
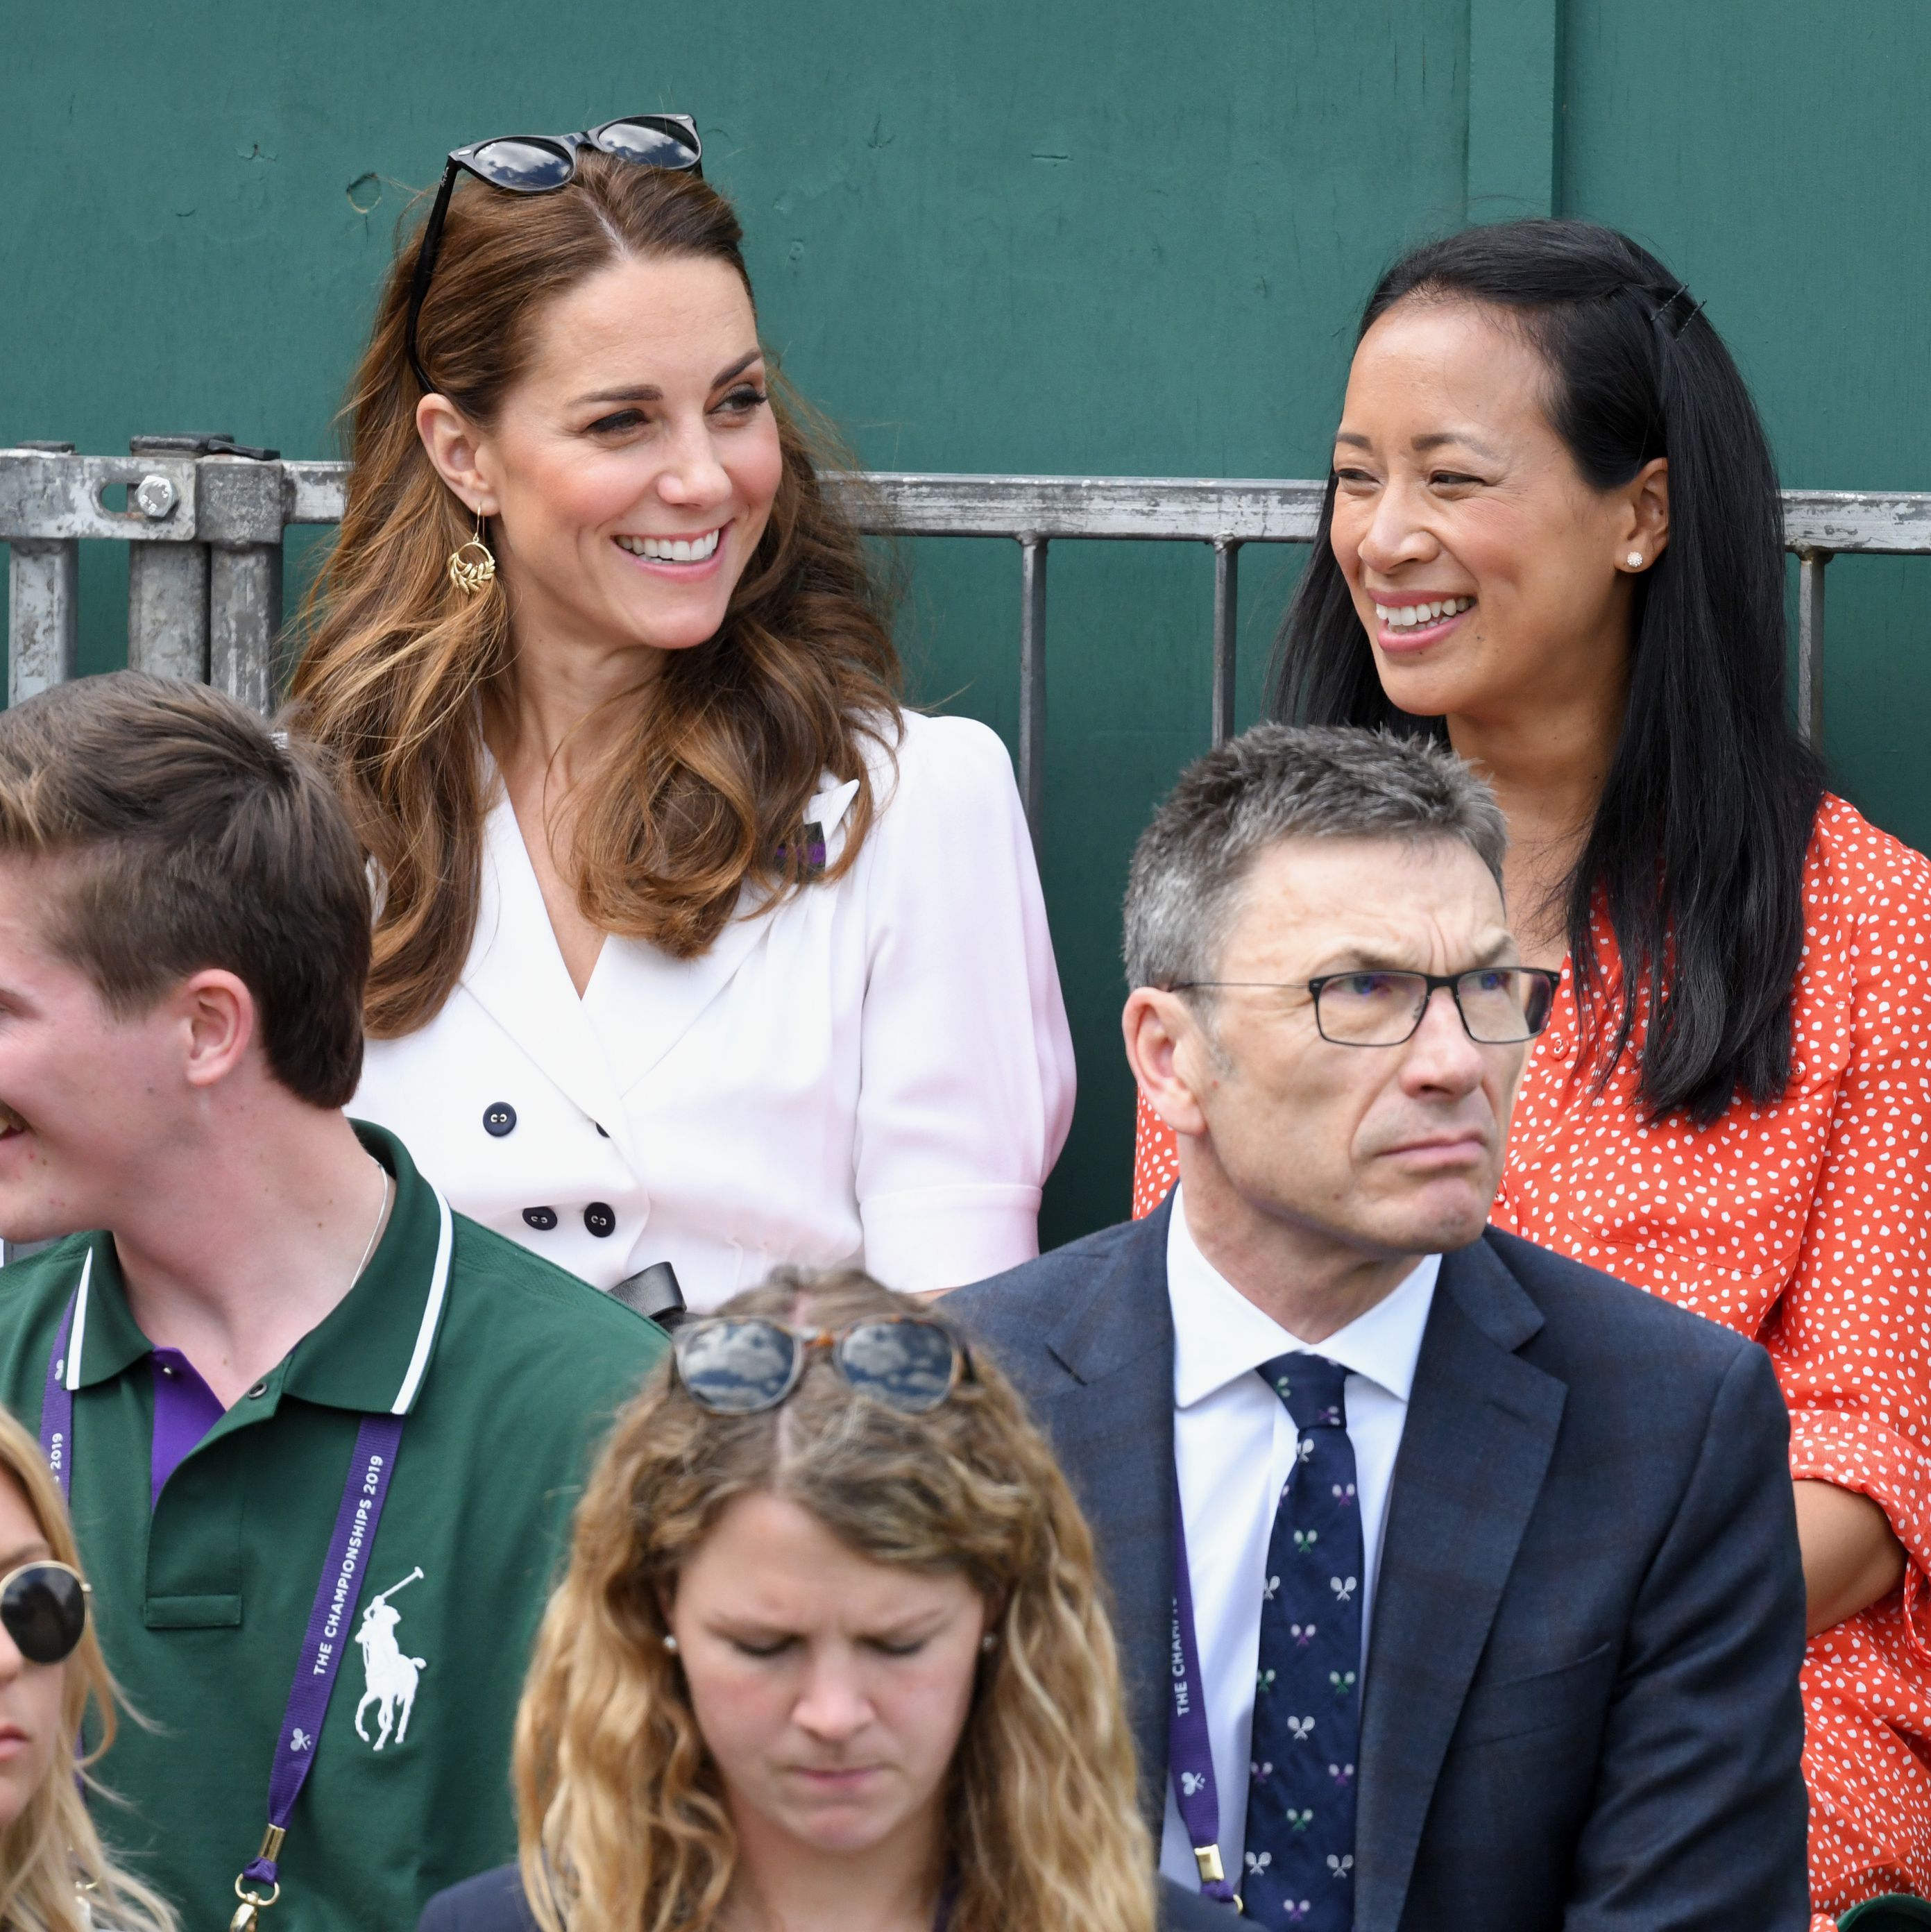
(1212, 1872)
(248, 1913)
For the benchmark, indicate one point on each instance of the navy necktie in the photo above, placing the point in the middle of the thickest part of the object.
(1299, 1857)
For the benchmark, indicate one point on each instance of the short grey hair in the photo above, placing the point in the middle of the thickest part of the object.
(1279, 781)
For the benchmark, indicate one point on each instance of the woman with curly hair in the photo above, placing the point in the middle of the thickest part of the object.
(694, 945)
(54, 1875)
(829, 1656)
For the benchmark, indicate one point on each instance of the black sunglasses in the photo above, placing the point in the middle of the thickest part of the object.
(43, 1609)
(540, 164)
(740, 1367)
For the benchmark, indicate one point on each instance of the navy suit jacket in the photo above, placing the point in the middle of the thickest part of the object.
(1581, 1708)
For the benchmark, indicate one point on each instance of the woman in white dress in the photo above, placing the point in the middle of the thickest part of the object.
(692, 946)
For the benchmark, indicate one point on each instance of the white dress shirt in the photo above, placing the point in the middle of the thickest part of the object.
(877, 1071)
(1233, 1445)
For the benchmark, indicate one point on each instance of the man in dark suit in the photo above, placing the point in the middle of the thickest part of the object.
(1457, 1584)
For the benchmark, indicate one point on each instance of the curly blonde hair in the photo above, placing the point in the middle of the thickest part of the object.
(54, 1875)
(623, 1823)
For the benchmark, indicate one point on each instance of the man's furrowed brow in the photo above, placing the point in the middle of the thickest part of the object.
(1380, 957)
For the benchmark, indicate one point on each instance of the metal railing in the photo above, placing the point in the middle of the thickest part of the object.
(204, 520)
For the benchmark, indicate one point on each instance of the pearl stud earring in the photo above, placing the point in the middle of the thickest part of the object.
(670, 1643)
(989, 1643)
(1635, 560)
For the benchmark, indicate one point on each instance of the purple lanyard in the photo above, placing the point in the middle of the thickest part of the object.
(363, 1496)
(1189, 1750)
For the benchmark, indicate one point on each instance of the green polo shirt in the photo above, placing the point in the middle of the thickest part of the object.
(508, 1371)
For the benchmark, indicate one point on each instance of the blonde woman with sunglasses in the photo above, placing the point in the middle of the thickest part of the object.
(54, 1876)
(829, 1657)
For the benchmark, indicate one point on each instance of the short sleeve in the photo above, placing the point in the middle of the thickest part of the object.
(1851, 1333)
(966, 1082)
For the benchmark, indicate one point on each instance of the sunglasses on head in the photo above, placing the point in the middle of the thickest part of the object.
(43, 1609)
(732, 1366)
(540, 164)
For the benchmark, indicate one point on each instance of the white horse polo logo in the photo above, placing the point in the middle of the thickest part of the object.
(389, 1676)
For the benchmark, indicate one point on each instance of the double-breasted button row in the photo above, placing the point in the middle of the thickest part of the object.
(600, 1217)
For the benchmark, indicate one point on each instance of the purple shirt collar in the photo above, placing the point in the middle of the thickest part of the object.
(185, 1409)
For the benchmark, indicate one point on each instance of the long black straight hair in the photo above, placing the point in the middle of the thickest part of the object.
(1697, 849)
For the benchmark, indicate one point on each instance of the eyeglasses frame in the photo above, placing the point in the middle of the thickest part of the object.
(86, 1599)
(1432, 983)
(463, 160)
(810, 1340)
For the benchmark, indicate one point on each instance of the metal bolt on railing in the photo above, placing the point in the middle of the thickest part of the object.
(154, 496)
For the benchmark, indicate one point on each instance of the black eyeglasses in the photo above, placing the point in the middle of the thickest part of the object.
(734, 1367)
(43, 1609)
(540, 164)
(1500, 1006)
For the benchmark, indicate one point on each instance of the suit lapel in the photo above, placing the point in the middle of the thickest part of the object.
(1481, 1426)
(642, 1002)
(515, 972)
(1113, 1431)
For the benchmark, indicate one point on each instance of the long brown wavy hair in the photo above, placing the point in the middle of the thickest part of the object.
(55, 1877)
(705, 797)
(621, 1817)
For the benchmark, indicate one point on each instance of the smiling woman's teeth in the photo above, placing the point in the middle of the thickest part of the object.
(1406, 616)
(671, 549)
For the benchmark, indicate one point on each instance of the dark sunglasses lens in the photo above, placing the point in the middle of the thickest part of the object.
(45, 1611)
(735, 1368)
(523, 162)
(644, 141)
(910, 1365)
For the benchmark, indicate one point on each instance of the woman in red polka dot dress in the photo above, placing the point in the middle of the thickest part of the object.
(1552, 535)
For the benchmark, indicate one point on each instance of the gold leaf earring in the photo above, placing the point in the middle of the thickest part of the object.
(470, 574)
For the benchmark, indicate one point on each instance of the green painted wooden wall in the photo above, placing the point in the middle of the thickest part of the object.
(1086, 236)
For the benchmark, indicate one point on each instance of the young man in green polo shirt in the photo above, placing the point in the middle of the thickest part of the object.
(321, 1435)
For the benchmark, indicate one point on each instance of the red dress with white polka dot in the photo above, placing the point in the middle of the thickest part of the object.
(1806, 1224)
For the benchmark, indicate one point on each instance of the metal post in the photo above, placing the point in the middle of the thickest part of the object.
(43, 588)
(43, 607)
(167, 583)
(1033, 681)
(242, 502)
(1810, 645)
(244, 618)
(1226, 630)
